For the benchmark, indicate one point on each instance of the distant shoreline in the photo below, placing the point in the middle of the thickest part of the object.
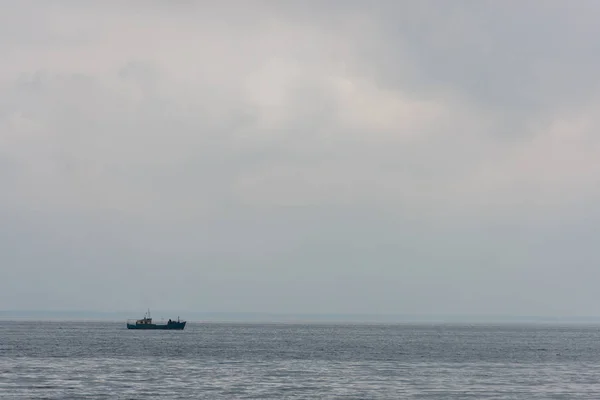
(289, 318)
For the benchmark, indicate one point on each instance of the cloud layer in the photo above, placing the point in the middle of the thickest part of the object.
(395, 157)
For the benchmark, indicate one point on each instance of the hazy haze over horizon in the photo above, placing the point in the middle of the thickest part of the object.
(423, 157)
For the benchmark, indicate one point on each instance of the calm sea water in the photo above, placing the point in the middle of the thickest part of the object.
(68, 360)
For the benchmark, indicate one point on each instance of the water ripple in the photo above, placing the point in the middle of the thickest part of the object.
(219, 361)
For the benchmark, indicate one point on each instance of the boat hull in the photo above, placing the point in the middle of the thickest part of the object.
(173, 326)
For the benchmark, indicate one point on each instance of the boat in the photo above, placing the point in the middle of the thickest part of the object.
(146, 323)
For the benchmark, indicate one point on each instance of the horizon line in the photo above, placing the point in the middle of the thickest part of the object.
(260, 316)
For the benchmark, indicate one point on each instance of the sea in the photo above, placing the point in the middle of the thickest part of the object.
(104, 360)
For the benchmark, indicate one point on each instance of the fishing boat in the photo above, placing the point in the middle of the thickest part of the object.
(146, 323)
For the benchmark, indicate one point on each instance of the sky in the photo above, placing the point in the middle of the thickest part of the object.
(385, 157)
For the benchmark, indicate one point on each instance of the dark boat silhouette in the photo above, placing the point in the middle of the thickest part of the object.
(146, 323)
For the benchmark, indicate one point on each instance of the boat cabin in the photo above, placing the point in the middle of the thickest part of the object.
(147, 320)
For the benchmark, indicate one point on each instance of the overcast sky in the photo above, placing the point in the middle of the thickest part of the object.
(423, 157)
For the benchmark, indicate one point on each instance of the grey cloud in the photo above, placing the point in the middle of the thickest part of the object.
(424, 157)
(523, 57)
